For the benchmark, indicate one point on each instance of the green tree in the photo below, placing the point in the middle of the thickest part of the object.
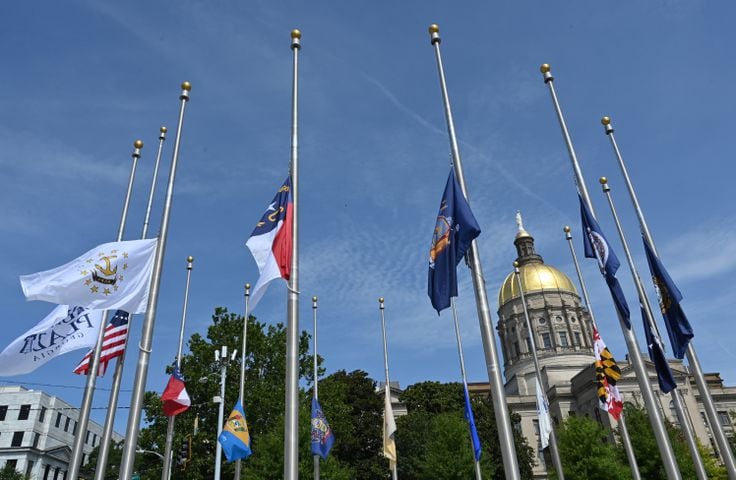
(9, 473)
(587, 451)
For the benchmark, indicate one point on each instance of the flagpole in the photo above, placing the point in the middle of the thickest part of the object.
(498, 395)
(655, 416)
(316, 373)
(112, 405)
(75, 462)
(553, 448)
(394, 473)
(692, 357)
(291, 415)
(623, 430)
(241, 395)
(649, 317)
(166, 471)
(461, 356)
(146, 343)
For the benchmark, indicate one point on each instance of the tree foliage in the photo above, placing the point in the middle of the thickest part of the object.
(10, 473)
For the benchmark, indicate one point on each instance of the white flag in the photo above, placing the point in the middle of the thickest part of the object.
(64, 330)
(545, 422)
(389, 428)
(114, 275)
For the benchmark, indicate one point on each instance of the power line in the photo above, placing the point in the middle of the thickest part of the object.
(77, 387)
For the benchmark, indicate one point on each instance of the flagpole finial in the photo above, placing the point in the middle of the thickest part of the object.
(162, 134)
(567, 229)
(314, 302)
(296, 38)
(516, 268)
(546, 72)
(568, 235)
(186, 87)
(434, 33)
(606, 122)
(190, 261)
(137, 145)
(380, 303)
(603, 180)
(604, 184)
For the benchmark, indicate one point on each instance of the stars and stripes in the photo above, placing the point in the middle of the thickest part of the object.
(116, 334)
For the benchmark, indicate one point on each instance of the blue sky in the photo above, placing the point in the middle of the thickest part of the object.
(82, 80)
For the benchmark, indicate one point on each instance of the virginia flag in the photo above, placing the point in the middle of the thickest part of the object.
(607, 374)
(322, 437)
(454, 231)
(596, 246)
(175, 397)
(545, 422)
(63, 330)
(471, 424)
(270, 243)
(656, 355)
(235, 439)
(678, 326)
(389, 429)
(111, 276)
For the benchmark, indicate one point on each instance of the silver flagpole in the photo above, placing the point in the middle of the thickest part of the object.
(625, 438)
(316, 373)
(146, 343)
(655, 416)
(166, 472)
(75, 462)
(291, 416)
(394, 473)
(459, 341)
(498, 395)
(553, 448)
(692, 357)
(112, 405)
(242, 364)
(649, 317)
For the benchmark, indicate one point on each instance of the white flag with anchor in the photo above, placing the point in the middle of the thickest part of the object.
(111, 276)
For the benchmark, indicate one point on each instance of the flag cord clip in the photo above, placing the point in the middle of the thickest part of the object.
(292, 290)
(140, 347)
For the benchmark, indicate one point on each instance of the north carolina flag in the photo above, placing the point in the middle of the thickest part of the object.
(270, 243)
(175, 397)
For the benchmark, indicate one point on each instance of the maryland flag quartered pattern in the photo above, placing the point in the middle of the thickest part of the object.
(607, 374)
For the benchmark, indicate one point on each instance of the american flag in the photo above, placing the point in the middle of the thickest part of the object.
(116, 334)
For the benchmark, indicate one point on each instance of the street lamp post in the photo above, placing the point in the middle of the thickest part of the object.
(222, 360)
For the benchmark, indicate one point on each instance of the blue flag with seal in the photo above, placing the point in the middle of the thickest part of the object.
(235, 438)
(471, 424)
(596, 246)
(322, 437)
(656, 355)
(454, 231)
(678, 326)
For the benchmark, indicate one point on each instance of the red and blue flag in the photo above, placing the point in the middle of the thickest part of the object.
(175, 397)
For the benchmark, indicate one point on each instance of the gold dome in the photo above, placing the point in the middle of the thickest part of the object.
(535, 277)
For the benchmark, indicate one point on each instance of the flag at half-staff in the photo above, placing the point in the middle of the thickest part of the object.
(321, 433)
(607, 375)
(545, 422)
(470, 418)
(389, 430)
(116, 334)
(271, 242)
(175, 398)
(235, 438)
(115, 275)
(665, 377)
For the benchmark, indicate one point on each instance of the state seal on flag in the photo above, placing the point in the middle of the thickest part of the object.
(441, 237)
(104, 274)
(663, 295)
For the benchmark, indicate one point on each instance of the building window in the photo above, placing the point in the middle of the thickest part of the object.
(94, 439)
(528, 344)
(542, 320)
(42, 415)
(74, 430)
(29, 468)
(11, 464)
(563, 339)
(3, 411)
(516, 349)
(66, 424)
(86, 437)
(25, 410)
(58, 420)
(17, 439)
(724, 419)
(577, 340)
(36, 437)
(546, 341)
(46, 471)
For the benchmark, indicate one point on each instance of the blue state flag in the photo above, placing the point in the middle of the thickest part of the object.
(454, 231)
(596, 246)
(656, 355)
(322, 437)
(471, 423)
(678, 326)
(235, 438)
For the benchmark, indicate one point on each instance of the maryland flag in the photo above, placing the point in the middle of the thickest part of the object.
(607, 374)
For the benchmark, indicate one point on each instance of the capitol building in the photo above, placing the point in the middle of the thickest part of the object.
(563, 336)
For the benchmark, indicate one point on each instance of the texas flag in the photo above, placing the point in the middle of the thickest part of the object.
(175, 397)
(270, 242)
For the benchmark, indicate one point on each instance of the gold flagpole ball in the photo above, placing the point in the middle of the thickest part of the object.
(186, 86)
(314, 299)
(606, 120)
(138, 144)
(380, 300)
(296, 33)
(516, 264)
(567, 229)
(247, 286)
(603, 180)
(434, 28)
(163, 129)
(190, 259)
(545, 68)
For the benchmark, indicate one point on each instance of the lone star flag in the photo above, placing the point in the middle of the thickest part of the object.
(678, 326)
(235, 439)
(656, 355)
(65, 329)
(175, 397)
(322, 437)
(111, 276)
(270, 242)
(607, 374)
(454, 231)
(596, 246)
(113, 346)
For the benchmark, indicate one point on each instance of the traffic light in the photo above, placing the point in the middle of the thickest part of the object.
(185, 454)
